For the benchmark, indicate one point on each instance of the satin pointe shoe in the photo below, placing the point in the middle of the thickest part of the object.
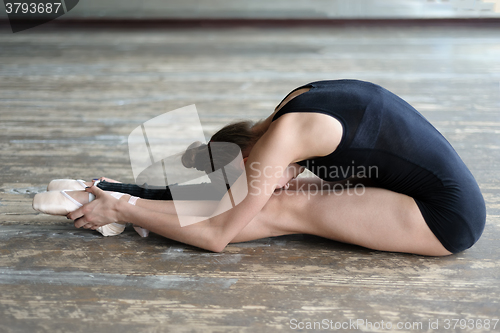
(111, 229)
(66, 184)
(61, 203)
(56, 203)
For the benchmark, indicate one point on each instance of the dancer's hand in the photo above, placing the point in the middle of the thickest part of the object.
(101, 211)
(109, 180)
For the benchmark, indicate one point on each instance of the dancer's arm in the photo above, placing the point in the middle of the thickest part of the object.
(268, 161)
(265, 166)
(180, 207)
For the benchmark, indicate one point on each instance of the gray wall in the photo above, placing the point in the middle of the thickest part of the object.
(284, 9)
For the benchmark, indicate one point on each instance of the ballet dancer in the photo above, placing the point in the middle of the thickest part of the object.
(414, 193)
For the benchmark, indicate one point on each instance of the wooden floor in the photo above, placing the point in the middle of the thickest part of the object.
(69, 97)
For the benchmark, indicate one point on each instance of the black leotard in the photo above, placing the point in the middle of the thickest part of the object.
(386, 139)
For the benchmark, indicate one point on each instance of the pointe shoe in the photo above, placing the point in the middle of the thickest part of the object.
(61, 203)
(111, 229)
(66, 184)
(56, 203)
(114, 229)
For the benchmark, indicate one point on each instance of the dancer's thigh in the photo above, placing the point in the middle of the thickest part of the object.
(374, 218)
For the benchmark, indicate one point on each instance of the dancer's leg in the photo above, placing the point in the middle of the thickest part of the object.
(203, 191)
(379, 219)
(137, 191)
(110, 185)
(206, 207)
(181, 207)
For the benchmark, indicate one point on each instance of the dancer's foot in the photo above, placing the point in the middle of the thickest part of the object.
(64, 202)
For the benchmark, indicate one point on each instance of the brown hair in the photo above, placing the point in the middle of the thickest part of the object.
(239, 133)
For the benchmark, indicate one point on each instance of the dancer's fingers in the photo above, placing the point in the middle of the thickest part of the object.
(80, 222)
(97, 213)
(94, 190)
(75, 215)
(79, 213)
(109, 180)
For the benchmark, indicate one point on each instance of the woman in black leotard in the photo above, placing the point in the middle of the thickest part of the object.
(422, 198)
